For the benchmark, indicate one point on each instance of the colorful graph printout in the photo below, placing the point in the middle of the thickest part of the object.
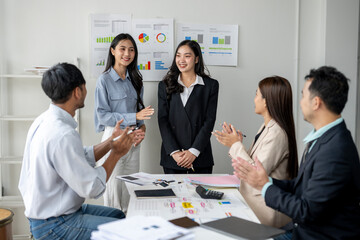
(146, 66)
(105, 39)
(155, 44)
(104, 28)
(219, 43)
(196, 37)
(101, 63)
(143, 37)
(161, 38)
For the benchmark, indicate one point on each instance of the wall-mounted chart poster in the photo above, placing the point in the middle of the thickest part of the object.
(155, 42)
(104, 28)
(218, 42)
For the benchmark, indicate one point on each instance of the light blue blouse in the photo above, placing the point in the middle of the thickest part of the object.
(115, 99)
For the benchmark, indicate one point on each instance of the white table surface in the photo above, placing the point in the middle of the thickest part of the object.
(200, 233)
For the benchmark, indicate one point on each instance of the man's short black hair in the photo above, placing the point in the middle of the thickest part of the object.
(331, 86)
(60, 80)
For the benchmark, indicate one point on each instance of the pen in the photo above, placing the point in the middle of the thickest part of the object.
(118, 137)
(192, 168)
(130, 131)
(221, 124)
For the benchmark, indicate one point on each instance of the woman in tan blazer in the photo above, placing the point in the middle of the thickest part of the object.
(274, 145)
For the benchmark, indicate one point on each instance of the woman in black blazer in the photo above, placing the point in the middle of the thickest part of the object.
(187, 101)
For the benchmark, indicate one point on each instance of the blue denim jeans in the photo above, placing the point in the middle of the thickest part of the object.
(77, 225)
(286, 236)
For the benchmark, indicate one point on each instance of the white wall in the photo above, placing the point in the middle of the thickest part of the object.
(282, 37)
(59, 31)
(341, 43)
(329, 35)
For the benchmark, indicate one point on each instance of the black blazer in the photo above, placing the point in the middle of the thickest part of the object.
(190, 126)
(324, 199)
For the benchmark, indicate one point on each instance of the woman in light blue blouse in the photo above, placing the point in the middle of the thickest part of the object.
(119, 95)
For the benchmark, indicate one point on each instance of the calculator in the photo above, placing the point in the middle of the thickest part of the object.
(209, 194)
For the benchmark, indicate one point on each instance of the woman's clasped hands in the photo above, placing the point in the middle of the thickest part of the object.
(184, 158)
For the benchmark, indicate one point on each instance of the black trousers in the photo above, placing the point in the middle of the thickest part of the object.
(198, 170)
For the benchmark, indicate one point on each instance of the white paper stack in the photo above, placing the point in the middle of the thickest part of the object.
(141, 227)
(37, 69)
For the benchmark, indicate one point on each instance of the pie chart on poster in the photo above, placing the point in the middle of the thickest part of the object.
(143, 37)
(161, 37)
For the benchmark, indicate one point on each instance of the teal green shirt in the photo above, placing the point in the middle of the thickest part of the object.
(314, 135)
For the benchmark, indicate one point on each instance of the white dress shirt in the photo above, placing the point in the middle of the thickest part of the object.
(57, 173)
(188, 90)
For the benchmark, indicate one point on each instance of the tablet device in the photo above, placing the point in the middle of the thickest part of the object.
(155, 193)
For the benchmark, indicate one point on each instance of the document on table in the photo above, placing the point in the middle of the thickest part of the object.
(142, 178)
(141, 227)
(192, 206)
(180, 189)
(139, 178)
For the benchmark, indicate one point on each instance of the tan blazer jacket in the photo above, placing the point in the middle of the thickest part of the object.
(272, 150)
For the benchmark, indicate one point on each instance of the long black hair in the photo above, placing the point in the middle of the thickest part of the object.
(278, 95)
(135, 75)
(170, 80)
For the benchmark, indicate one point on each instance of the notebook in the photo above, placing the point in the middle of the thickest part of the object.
(239, 228)
(154, 193)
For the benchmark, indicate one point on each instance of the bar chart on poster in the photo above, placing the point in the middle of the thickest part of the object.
(104, 28)
(155, 42)
(219, 43)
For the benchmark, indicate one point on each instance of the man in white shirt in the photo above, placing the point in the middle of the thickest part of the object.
(58, 173)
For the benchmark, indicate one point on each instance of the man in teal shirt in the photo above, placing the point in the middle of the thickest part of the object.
(324, 199)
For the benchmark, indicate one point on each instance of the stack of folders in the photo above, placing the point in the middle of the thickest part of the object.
(215, 181)
(141, 227)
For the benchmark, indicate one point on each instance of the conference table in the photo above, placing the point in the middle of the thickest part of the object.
(189, 203)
